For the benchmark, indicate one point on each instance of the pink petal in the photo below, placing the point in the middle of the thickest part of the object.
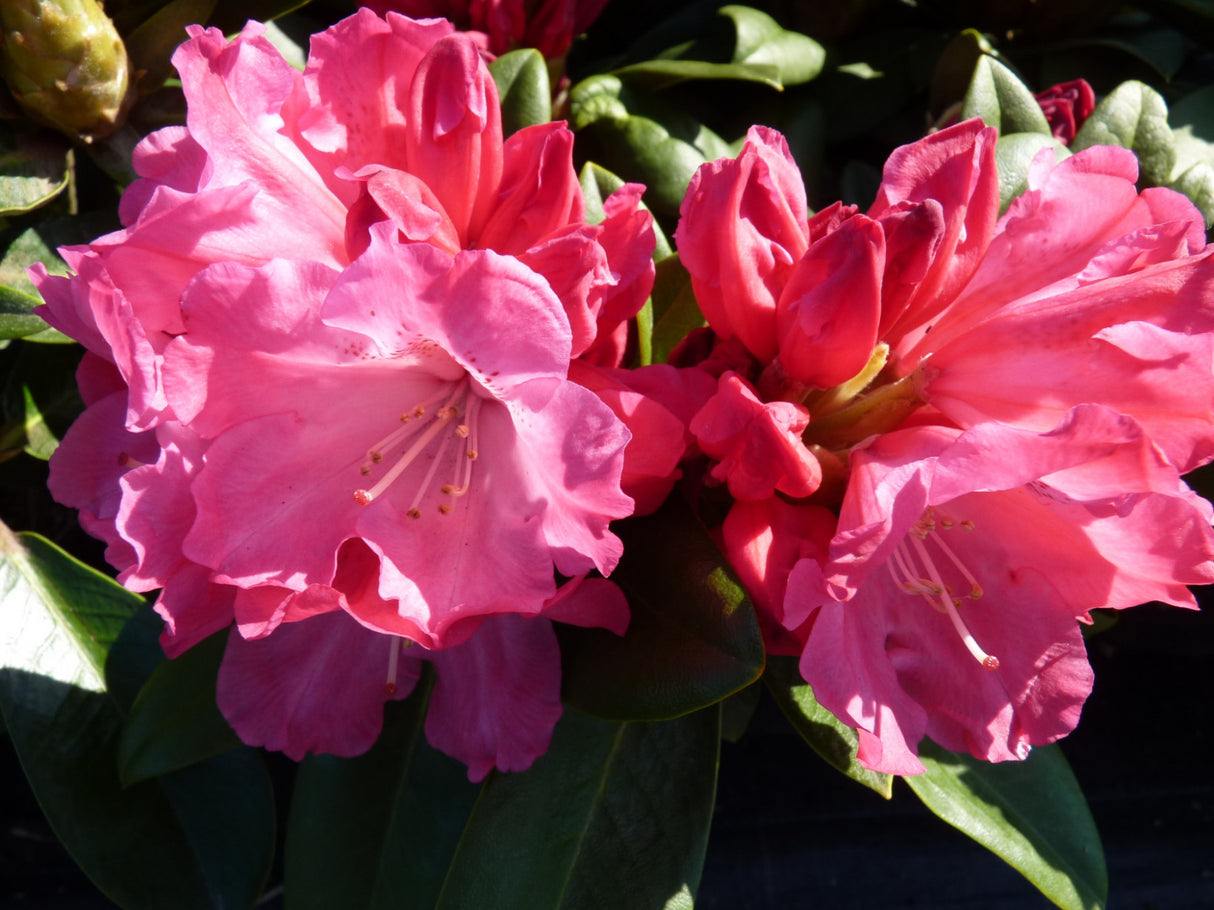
(757, 444)
(827, 315)
(454, 133)
(314, 686)
(742, 227)
(497, 697)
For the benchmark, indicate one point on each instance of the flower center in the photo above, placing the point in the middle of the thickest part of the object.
(916, 572)
(870, 402)
(419, 427)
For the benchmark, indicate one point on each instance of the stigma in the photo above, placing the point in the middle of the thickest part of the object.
(915, 571)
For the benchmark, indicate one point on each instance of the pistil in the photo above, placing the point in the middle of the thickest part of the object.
(932, 588)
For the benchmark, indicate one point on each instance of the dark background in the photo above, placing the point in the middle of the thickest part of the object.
(790, 832)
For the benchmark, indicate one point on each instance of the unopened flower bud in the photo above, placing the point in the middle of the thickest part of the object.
(66, 65)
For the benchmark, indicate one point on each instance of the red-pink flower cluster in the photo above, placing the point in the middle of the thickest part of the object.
(950, 435)
(329, 394)
(500, 26)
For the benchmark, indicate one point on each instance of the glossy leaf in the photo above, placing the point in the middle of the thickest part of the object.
(796, 58)
(954, 70)
(675, 310)
(175, 721)
(59, 616)
(1013, 155)
(35, 166)
(692, 640)
(1192, 122)
(37, 244)
(1135, 117)
(370, 831)
(997, 95)
(658, 74)
(1032, 814)
(152, 845)
(39, 400)
(636, 147)
(522, 83)
(597, 184)
(611, 815)
(832, 739)
(17, 319)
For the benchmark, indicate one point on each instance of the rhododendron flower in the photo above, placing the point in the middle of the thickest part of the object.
(503, 25)
(1066, 106)
(356, 440)
(1043, 379)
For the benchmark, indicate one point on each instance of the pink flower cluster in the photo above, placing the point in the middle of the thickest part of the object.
(329, 395)
(354, 389)
(950, 435)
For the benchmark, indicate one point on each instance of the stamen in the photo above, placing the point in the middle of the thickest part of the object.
(975, 588)
(414, 511)
(445, 413)
(126, 461)
(910, 581)
(988, 661)
(468, 434)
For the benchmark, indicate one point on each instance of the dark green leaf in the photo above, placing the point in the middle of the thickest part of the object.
(199, 838)
(955, 70)
(59, 616)
(134, 656)
(35, 167)
(366, 831)
(658, 74)
(1135, 117)
(1032, 814)
(231, 15)
(641, 150)
(152, 44)
(16, 317)
(997, 95)
(1162, 49)
(693, 638)
(175, 721)
(39, 399)
(522, 82)
(37, 245)
(832, 739)
(796, 58)
(597, 184)
(635, 147)
(1013, 155)
(675, 310)
(612, 816)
